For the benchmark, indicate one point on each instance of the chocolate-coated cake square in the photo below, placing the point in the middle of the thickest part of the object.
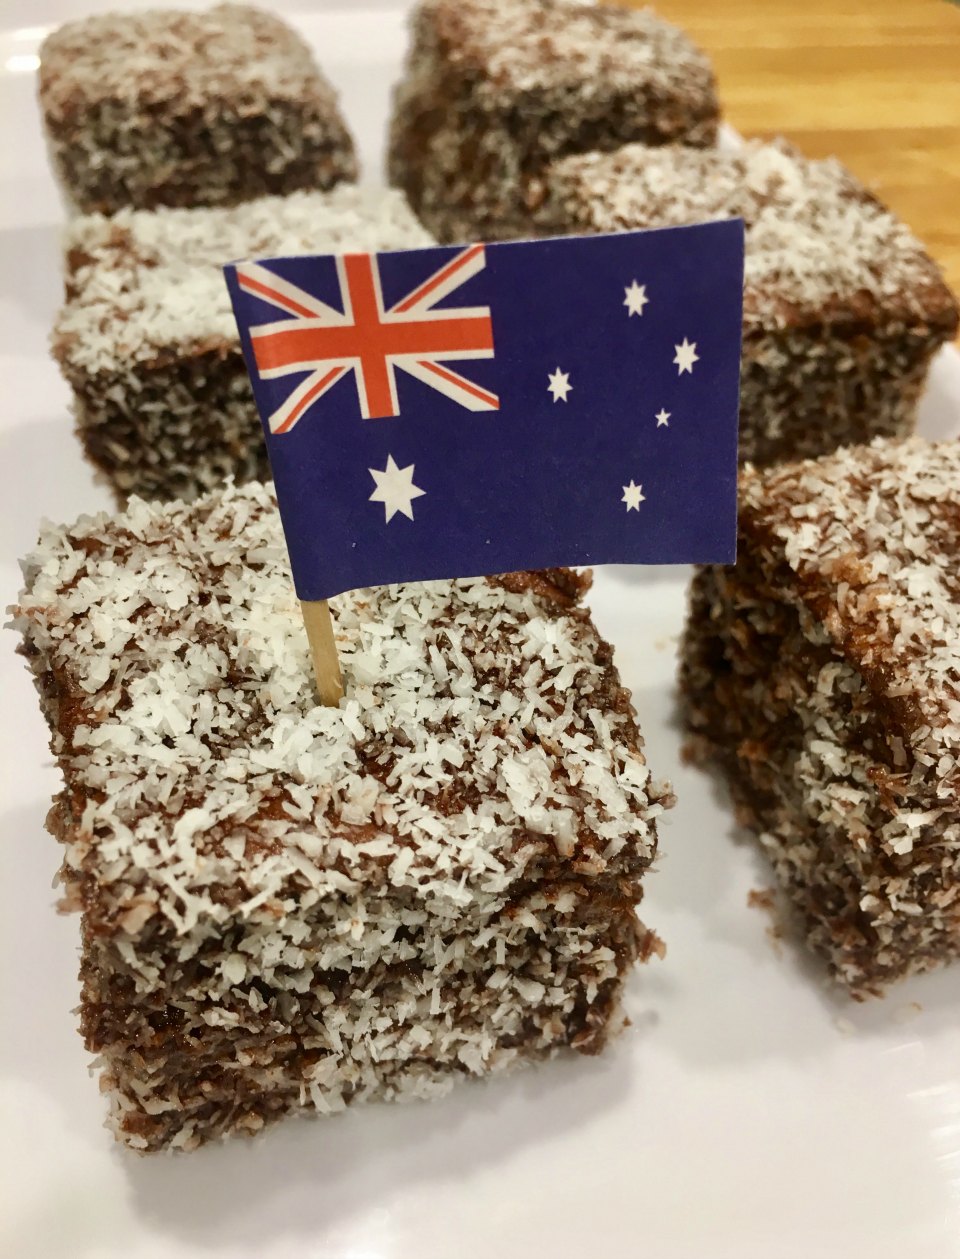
(287, 907)
(821, 676)
(495, 89)
(168, 107)
(147, 338)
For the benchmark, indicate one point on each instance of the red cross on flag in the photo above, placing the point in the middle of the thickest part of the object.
(368, 340)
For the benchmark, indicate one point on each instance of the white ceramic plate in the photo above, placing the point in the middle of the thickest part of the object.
(750, 1112)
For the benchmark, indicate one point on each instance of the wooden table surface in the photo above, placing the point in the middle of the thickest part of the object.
(874, 82)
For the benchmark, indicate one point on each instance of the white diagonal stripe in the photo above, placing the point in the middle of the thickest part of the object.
(465, 392)
(285, 295)
(289, 407)
(458, 275)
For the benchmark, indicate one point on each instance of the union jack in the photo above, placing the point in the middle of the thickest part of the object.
(367, 339)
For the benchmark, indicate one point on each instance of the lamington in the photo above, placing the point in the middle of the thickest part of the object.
(166, 107)
(495, 89)
(286, 907)
(843, 307)
(147, 338)
(821, 676)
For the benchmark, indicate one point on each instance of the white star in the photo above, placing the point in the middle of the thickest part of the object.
(395, 489)
(662, 417)
(685, 357)
(559, 385)
(635, 298)
(633, 496)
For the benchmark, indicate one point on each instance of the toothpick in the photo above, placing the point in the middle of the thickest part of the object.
(323, 651)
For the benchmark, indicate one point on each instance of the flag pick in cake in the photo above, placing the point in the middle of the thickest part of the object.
(459, 411)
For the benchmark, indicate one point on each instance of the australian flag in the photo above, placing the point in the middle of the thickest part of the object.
(452, 412)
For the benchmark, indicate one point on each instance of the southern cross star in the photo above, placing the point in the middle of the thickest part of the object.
(685, 357)
(559, 385)
(635, 298)
(395, 489)
(662, 417)
(633, 496)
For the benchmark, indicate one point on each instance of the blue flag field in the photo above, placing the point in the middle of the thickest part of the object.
(452, 412)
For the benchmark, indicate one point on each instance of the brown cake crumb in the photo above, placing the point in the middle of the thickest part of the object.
(761, 898)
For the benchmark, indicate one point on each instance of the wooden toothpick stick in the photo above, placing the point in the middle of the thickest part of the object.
(323, 651)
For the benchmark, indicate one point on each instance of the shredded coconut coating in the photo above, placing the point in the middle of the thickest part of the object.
(176, 640)
(806, 391)
(562, 46)
(494, 89)
(820, 249)
(822, 674)
(436, 878)
(137, 57)
(871, 534)
(169, 107)
(146, 284)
